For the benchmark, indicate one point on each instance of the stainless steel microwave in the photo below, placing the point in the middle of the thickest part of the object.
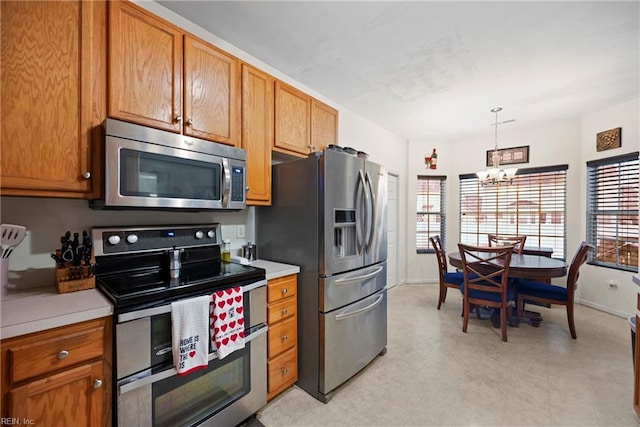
(155, 169)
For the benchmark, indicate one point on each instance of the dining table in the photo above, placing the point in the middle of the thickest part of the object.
(525, 266)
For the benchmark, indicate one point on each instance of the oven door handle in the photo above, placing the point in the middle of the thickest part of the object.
(145, 377)
(163, 309)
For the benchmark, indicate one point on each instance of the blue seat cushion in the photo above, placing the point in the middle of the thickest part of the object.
(490, 296)
(542, 290)
(454, 278)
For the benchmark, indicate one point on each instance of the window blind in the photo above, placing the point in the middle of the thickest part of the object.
(612, 211)
(431, 202)
(534, 205)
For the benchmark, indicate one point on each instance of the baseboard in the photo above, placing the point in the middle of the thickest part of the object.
(419, 282)
(603, 308)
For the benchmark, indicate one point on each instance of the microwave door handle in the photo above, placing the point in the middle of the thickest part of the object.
(359, 189)
(226, 180)
(371, 212)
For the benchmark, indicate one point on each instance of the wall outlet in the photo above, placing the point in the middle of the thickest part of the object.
(612, 284)
(240, 232)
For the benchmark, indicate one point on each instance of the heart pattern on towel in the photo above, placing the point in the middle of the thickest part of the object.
(226, 320)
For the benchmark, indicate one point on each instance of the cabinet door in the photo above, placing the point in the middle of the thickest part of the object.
(324, 125)
(293, 120)
(211, 93)
(145, 68)
(257, 133)
(52, 84)
(70, 398)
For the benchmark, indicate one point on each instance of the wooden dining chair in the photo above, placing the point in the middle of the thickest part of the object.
(486, 281)
(447, 280)
(545, 293)
(517, 241)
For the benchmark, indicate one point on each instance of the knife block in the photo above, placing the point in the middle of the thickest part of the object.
(71, 279)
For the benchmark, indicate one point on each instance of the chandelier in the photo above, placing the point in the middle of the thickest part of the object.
(495, 175)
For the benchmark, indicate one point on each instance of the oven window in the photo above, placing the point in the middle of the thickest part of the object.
(197, 396)
(155, 175)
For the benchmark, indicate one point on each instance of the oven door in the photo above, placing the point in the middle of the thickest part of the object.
(225, 393)
(139, 174)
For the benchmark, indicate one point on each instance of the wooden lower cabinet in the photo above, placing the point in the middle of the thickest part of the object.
(282, 337)
(59, 377)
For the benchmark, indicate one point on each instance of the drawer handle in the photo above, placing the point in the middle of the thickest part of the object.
(284, 291)
(284, 311)
(97, 384)
(285, 371)
(63, 354)
(284, 338)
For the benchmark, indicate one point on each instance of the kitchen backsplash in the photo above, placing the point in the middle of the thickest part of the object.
(48, 218)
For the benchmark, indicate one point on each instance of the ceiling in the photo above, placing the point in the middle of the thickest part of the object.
(427, 69)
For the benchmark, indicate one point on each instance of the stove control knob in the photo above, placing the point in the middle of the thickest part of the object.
(132, 238)
(199, 234)
(211, 234)
(114, 240)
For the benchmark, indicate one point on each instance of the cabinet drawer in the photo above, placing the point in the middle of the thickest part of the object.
(282, 337)
(282, 287)
(281, 310)
(283, 370)
(53, 351)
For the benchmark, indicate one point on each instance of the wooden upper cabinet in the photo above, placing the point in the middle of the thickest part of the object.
(145, 68)
(324, 125)
(211, 82)
(52, 83)
(293, 120)
(257, 132)
(146, 78)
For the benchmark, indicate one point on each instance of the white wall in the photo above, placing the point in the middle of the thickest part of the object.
(594, 289)
(46, 219)
(569, 142)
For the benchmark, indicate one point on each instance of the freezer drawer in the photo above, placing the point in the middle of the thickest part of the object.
(351, 337)
(343, 289)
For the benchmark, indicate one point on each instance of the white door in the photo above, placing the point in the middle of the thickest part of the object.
(392, 230)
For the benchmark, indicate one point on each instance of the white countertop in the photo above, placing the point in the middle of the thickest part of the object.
(275, 269)
(37, 309)
(34, 309)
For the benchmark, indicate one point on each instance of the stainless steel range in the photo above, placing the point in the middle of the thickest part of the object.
(142, 270)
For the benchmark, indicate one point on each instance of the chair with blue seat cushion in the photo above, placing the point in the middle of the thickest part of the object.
(486, 281)
(545, 293)
(447, 280)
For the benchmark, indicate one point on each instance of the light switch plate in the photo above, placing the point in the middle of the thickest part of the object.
(240, 232)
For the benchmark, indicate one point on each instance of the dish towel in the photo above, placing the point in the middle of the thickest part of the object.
(190, 334)
(227, 321)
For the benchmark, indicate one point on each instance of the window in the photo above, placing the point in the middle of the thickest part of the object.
(431, 204)
(534, 205)
(612, 212)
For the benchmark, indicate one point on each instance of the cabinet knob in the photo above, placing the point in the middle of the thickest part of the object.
(246, 189)
(178, 119)
(284, 291)
(86, 175)
(189, 122)
(285, 371)
(284, 311)
(97, 384)
(284, 338)
(63, 354)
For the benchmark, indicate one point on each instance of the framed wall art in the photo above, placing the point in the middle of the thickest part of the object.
(510, 156)
(608, 139)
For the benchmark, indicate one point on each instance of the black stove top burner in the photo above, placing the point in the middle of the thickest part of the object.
(140, 280)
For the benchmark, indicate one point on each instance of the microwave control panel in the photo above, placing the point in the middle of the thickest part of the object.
(237, 184)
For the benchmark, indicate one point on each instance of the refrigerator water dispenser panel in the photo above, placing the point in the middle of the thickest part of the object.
(344, 233)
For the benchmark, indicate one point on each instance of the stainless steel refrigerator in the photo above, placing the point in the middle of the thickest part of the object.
(328, 215)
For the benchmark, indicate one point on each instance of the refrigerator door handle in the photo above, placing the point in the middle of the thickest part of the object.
(347, 280)
(356, 312)
(371, 212)
(360, 243)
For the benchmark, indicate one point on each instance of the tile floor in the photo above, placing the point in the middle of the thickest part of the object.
(435, 375)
